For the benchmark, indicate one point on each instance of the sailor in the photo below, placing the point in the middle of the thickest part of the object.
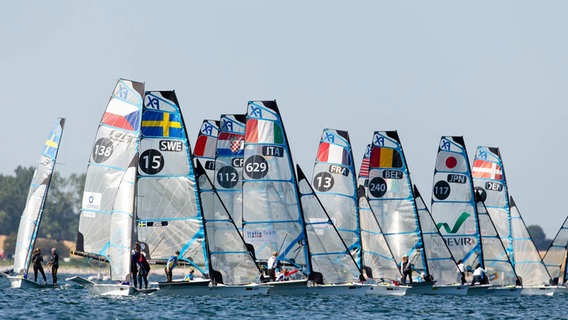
(170, 265)
(54, 263)
(37, 259)
(479, 276)
(271, 265)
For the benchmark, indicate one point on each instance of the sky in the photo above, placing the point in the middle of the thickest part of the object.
(494, 72)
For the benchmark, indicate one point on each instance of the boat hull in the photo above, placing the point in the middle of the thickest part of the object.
(432, 289)
(203, 287)
(104, 289)
(387, 290)
(480, 290)
(538, 291)
(20, 282)
(339, 289)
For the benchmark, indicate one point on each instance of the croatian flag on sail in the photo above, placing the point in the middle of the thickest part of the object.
(122, 115)
(332, 153)
(487, 170)
(263, 131)
(230, 144)
(205, 147)
(385, 158)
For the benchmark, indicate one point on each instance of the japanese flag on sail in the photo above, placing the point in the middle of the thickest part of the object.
(230, 144)
(450, 161)
(205, 147)
(385, 158)
(332, 153)
(263, 131)
(487, 170)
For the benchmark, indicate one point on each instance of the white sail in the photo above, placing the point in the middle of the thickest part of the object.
(334, 181)
(205, 146)
(37, 194)
(490, 181)
(495, 259)
(168, 212)
(229, 164)
(391, 198)
(230, 260)
(453, 204)
(555, 257)
(441, 263)
(329, 255)
(272, 215)
(107, 211)
(377, 259)
(525, 258)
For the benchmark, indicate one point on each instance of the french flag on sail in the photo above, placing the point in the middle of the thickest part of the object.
(122, 115)
(230, 144)
(332, 153)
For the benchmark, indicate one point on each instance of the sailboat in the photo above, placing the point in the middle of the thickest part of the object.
(391, 198)
(233, 270)
(272, 218)
(204, 150)
(335, 184)
(463, 221)
(229, 164)
(107, 214)
(439, 258)
(556, 257)
(333, 268)
(33, 211)
(490, 181)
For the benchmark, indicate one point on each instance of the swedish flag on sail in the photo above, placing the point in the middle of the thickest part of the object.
(51, 144)
(161, 124)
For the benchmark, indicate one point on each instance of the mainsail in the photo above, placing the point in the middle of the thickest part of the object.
(205, 146)
(231, 263)
(107, 211)
(334, 181)
(376, 256)
(490, 181)
(168, 211)
(272, 215)
(229, 164)
(441, 263)
(37, 194)
(391, 198)
(555, 258)
(453, 203)
(495, 259)
(330, 258)
(526, 259)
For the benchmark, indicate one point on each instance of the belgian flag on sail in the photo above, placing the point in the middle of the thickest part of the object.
(385, 158)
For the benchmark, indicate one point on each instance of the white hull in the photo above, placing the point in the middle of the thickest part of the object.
(339, 289)
(104, 289)
(487, 289)
(430, 289)
(538, 291)
(20, 282)
(387, 290)
(203, 287)
(560, 289)
(291, 287)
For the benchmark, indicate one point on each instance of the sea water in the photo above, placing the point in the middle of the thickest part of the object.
(72, 302)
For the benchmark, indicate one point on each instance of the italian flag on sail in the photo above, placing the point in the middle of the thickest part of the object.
(262, 131)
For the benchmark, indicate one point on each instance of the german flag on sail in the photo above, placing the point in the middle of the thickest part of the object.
(262, 131)
(161, 124)
(385, 158)
(332, 153)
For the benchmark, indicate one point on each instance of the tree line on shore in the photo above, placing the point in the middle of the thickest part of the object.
(61, 213)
